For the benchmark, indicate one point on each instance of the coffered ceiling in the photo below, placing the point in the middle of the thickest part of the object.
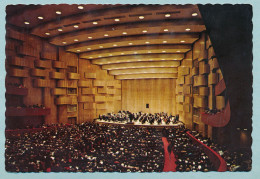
(130, 41)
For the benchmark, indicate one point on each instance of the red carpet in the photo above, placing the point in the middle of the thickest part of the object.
(169, 159)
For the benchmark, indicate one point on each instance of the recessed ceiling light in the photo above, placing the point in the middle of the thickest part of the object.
(80, 7)
(130, 43)
(64, 42)
(144, 31)
(47, 33)
(95, 23)
(90, 37)
(135, 52)
(188, 29)
(147, 42)
(182, 41)
(167, 15)
(60, 30)
(124, 33)
(194, 14)
(164, 41)
(165, 30)
(110, 55)
(76, 26)
(149, 52)
(162, 59)
(100, 56)
(122, 53)
(141, 17)
(90, 57)
(26, 22)
(163, 51)
(115, 45)
(58, 12)
(76, 40)
(178, 51)
(40, 17)
(117, 20)
(106, 35)
(78, 50)
(100, 46)
(89, 48)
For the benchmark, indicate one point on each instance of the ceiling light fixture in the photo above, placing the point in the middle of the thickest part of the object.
(117, 20)
(80, 7)
(182, 41)
(115, 45)
(147, 42)
(95, 23)
(60, 30)
(76, 40)
(100, 56)
(122, 53)
(188, 29)
(100, 46)
(90, 37)
(90, 57)
(64, 42)
(194, 14)
(149, 52)
(135, 52)
(165, 30)
(130, 43)
(26, 22)
(163, 51)
(47, 33)
(76, 26)
(106, 35)
(78, 50)
(164, 41)
(89, 48)
(110, 55)
(167, 15)
(58, 12)
(124, 33)
(144, 31)
(178, 51)
(141, 17)
(40, 17)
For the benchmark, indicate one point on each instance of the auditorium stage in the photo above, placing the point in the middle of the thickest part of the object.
(140, 124)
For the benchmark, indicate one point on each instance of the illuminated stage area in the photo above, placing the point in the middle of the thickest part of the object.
(137, 123)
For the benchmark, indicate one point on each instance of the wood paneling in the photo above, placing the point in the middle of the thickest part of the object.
(212, 78)
(100, 98)
(183, 70)
(143, 70)
(59, 64)
(15, 72)
(85, 83)
(194, 71)
(90, 75)
(73, 76)
(39, 72)
(146, 76)
(59, 91)
(66, 100)
(82, 99)
(57, 75)
(203, 68)
(199, 80)
(42, 83)
(158, 93)
(102, 90)
(89, 105)
(42, 63)
(203, 91)
(89, 91)
(99, 83)
(220, 102)
(200, 101)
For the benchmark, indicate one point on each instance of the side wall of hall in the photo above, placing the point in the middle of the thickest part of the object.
(72, 89)
(198, 75)
(158, 93)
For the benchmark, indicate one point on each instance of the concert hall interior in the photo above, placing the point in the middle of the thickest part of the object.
(128, 88)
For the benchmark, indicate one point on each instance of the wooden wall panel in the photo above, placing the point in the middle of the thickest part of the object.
(158, 93)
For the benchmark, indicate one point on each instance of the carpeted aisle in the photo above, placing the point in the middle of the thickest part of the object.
(169, 159)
